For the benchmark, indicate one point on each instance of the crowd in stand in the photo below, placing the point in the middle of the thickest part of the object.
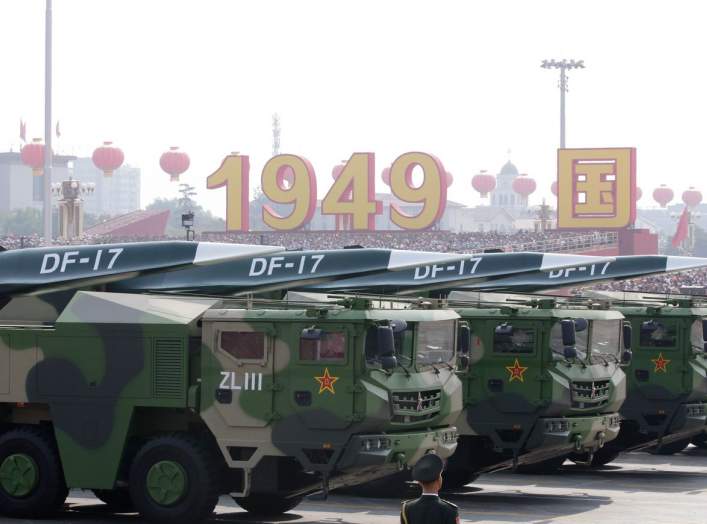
(438, 241)
(679, 282)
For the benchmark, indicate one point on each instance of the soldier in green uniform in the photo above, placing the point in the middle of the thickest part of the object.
(429, 508)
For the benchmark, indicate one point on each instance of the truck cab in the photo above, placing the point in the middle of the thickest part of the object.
(667, 378)
(544, 380)
(183, 399)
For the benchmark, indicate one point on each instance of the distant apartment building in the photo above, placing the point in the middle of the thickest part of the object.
(115, 195)
(19, 189)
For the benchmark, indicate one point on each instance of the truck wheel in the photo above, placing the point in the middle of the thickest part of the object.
(174, 479)
(457, 478)
(546, 466)
(700, 440)
(118, 500)
(31, 477)
(267, 505)
(671, 448)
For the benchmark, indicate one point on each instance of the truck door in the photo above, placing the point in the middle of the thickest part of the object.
(506, 378)
(238, 373)
(657, 364)
(320, 377)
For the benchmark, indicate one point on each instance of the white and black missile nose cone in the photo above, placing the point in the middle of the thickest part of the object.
(215, 252)
(673, 263)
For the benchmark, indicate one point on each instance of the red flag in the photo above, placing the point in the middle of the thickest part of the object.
(58, 132)
(23, 130)
(683, 227)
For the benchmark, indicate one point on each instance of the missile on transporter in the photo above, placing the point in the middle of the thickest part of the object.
(347, 270)
(621, 268)
(42, 270)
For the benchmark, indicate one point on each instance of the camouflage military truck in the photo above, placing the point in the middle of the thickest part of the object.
(667, 378)
(544, 380)
(165, 403)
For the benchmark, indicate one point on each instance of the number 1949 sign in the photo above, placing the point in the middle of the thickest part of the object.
(290, 179)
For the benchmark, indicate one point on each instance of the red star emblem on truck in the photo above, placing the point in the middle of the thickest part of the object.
(516, 371)
(326, 382)
(661, 364)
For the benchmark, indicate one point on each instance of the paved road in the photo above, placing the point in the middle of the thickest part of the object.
(637, 488)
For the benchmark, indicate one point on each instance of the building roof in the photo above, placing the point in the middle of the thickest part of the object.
(509, 169)
(138, 224)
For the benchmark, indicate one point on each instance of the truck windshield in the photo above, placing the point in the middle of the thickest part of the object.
(435, 342)
(601, 339)
(606, 338)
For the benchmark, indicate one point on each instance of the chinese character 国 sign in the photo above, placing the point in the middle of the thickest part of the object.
(596, 188)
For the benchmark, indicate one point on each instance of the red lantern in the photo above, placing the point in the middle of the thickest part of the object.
(385, 175)
(663, 195)
(692, 197)
(553, 188)
(524, 185)
(639, 193)
(174, 163)
(483, 183)
(108, 158)
(32, 155)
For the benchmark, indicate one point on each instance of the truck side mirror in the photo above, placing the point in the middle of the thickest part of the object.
(311, 334)
(504, 330)
(398, 326)
(628, 336)
(389, 363)
(569, 340)
(649, 326)
(580, 324)
(385, 342)
(464, 339)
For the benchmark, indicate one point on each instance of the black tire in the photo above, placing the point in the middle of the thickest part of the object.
(49, 492)
(544, 467)
(118, 500)
(457, 478)
(671, 448)
(202, 471)
(267, 505)
(604, 456)
(700, 440)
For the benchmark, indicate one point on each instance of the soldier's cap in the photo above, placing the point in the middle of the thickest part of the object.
(428, 468)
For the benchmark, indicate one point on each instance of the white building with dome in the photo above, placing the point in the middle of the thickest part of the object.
(504, 196)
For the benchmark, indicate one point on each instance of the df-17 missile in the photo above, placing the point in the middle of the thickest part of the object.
(621, 268)
(50, 269)
(369, 270)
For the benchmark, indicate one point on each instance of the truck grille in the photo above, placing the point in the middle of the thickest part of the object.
(415, 406)
(590, 394)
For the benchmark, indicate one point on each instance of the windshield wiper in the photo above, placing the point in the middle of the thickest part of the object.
(407, 372)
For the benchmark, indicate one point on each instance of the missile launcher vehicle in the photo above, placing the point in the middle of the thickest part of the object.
(666, 399)
(165, 403)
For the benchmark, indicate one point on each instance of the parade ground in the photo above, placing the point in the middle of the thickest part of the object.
(636, 488)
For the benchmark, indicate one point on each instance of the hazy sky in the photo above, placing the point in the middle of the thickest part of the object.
(460, 80)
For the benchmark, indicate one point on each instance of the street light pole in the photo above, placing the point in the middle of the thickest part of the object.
(563, 66)
(48, 160)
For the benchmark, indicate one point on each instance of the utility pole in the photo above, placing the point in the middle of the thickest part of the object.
(48, 160)
(563, 66)
(275, 134)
